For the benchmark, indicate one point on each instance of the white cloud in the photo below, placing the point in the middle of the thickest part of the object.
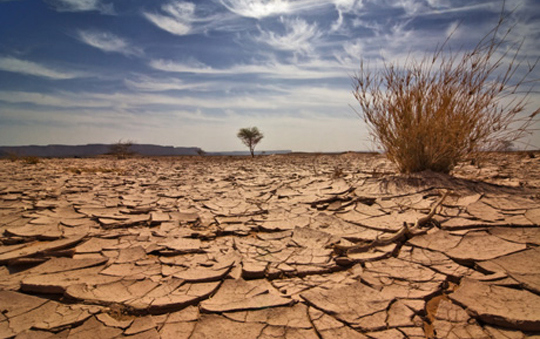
(14, 65)
(148, 84)
(177, 18)
(50, 116)
(122, 101)
(186, 67)
(108, 42)
(257, 8)
(282, 98)
(130, 101)
(303, 97)
(439, 7)
(354, 50)
(183, 18)
(298, 37)
(81, 6)
(347, 5)
(344, 6)
(314, 69)
(395, 42)
(439, 3)
(180, 9)
(62, 100)
(169, 24)
(411, 7)
(339, 22)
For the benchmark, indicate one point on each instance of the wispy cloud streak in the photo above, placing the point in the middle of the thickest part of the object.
(10, 64)
(148, 84)
(298, 36)
(279, 98)
(257, 8)
(81, 6)
(108, 42)
(176, 17)
(315, 69)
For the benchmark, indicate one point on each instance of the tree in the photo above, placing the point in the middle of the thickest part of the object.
(448, 107)
(250, 137)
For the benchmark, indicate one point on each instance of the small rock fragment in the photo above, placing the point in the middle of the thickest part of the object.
(109, 321)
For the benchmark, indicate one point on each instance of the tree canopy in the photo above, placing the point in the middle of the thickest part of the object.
(250, 136)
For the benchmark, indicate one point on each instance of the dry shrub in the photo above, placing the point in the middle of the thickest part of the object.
(433, 113)
(337, 172)
(31, 160)
(121, 150)
(13, 156)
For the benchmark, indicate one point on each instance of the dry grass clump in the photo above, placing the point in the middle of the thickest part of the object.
(433, 113)
(121, 149)
(31, 160)
(12, 156)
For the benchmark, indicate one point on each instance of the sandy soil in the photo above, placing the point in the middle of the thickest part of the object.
(289, 246)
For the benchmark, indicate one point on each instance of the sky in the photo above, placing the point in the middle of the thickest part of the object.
(192, 73)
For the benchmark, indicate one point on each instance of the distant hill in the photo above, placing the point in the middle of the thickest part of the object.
(66, 151)
(92, 150)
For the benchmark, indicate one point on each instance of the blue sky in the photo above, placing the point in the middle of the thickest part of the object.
(191, 73)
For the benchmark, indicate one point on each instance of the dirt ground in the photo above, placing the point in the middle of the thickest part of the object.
(282, 246)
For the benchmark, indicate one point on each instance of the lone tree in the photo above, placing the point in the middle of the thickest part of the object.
(448, 107)
(250, 137)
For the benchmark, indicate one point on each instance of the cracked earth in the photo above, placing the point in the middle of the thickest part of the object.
(295, 246)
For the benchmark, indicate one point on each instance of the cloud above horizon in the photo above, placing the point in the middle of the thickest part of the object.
(187, 72)
(314, 69)
(82, 6)
(14, 65)
(108, 42)
(176, 18)
(298, 36)
(257, 9)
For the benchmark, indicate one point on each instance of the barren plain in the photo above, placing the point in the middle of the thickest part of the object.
(288, 246)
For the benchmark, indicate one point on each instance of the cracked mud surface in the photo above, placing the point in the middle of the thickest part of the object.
(296, 246)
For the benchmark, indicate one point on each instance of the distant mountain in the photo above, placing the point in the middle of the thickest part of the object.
(91, 150)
